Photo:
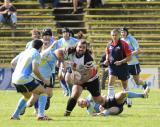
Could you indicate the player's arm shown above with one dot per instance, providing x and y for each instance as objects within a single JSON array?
[
  {"x": 3, "y": 11},
  {"x": 38, "y": 74},
  {"x": 104, "y": 113},
  {"x": 50, "y": 48},
  {"x": 35, "y": 69},
  {"x": 13, "y": 11},
  {"x": 60, "y": 54},
  {"x": 126, "y": 59},
  {"x": 106, "y": 62},
  {"x": 14, "y": 61},
  {"x": 128, "y": 54},
  {"x": 136, "y": 52},
  {"x": 135, "y": 46},
  {"x": 54, "y": 45}
]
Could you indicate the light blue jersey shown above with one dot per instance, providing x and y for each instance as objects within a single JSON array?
[
  {"x": 93, "y": 107},
  {"x": 62, "y": 43},
  {"x": 23, "y": 70},
  {"x": 132, "y": 42},
  {"x": 52, "y": 40},
  {"x": 29, "y": 45},
  {"x": 48, "y": 62}
]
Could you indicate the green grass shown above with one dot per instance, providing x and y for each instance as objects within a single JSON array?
[{"x": 144, "y": 113}]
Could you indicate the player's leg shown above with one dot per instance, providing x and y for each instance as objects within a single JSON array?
[
  {"x": 138, "y": 81},
  {"x": 121, "y": 96},
  {"x": 111, "y": 82},
  {"x": 76, "y": 92},
  {"x": 64, "y": 85},
  {"x": 21, "y": 106},
  {"x": 42, "y": 100},
  {"x": 125, "y": 87},
  {"x": 135, "y": 72},
  {"x": 25, "y": 91},
  {"x": 49, "y": 91}
]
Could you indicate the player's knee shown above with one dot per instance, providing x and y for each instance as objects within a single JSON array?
[
  {"x": 67, "y": 78},
  {"x": 50, "y": 94},
  {"x": 30, "y": 104},
  {"x": 137, "y": 82},
  {"x": 98, "y": 100},
  {"x": 123, "y": 94}
]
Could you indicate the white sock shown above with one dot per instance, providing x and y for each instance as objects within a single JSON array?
[{"x": 111, "y": 91}]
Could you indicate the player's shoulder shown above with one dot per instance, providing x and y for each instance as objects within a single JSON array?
[{"x": 124, "y": 43}]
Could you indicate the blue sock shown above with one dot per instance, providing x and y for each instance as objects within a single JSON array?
[
  {"x": 64, "y": 86},
  {"x": 135, "y": 95},
  {"x": 69, "y": 89},
  {"x": 63, "y": 81},
  {"x": 41, "y": 105},
  {"x": 36, "y": 105},
  {"x": 21, "y": 105}
]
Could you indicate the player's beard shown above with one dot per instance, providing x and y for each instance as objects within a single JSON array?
[{"x": 79, "y": 55}]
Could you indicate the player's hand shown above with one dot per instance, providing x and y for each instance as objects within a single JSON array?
[
  {"x": 118, "y": 63},
  {"x": 98, "y": 114},
  {"x": 5, "y": 12},
  {"x": 106, "y": 63},
  {"x": 76, "y": 78},
  {"x": 46, "y": 82}
]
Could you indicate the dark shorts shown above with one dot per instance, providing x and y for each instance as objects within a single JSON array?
[
  {"x": 42, "y": 83},
  {"x": 134, "y": 69},
  {"x": 52, "y": 81},
  {"x": 28, "y": 87},
  {"x": 93, "y": 87},
  {"x": 113, "y": 103},
  {"x": 120, "y": 71}
]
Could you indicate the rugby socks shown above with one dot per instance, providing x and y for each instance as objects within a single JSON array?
[
  {"x": 70, "y": 106},
  {"x": 69, "y": 89},
  {"x": 41, "y": 105},
  {"x": 134, "y": 95},
  {"x": 21, "y": 105},
  {"x": 63, "y": 81},
  {"x": 128, "y": 101},
  {"x": 111, "y": 91},
  {"x": 47, "y": 103},
  {"x": 64, "y": 87},
  {"x": 144, "y": 85},
  {"x": 36, "y": 105}
]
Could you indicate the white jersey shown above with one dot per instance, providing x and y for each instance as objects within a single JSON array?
[{"x": 84, "y": 62}]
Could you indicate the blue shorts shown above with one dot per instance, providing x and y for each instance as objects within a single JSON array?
[
  {"x": 28, "y": 87},
  {"x": 120, "y": 71},
  {"x": 134, "y": 69}
]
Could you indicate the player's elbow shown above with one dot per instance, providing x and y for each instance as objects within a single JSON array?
[
  {"x": 138, "y": 51},
  {"x": 13, "y": 64}
]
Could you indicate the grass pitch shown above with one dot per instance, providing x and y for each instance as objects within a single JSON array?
[{"x": 144, "y": 113}]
